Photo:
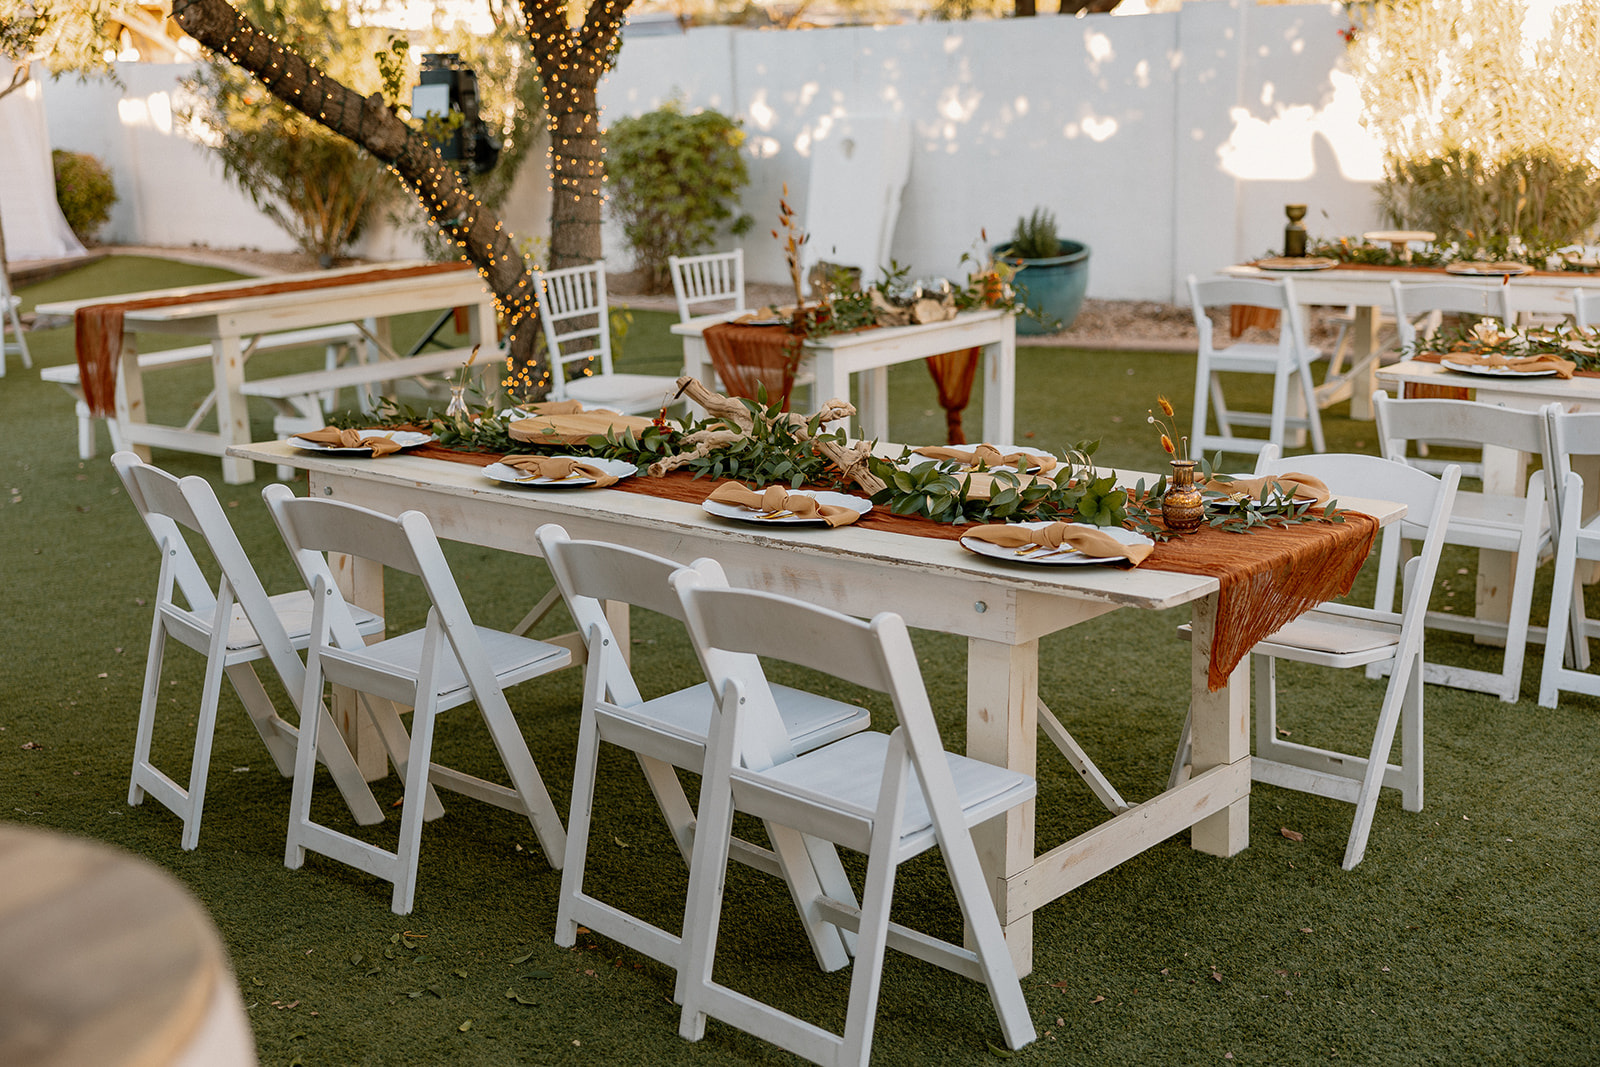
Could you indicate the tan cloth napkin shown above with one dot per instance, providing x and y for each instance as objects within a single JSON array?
[
  {"x": 988, "y": 456},
  {"x": 559, "y": 468},
  {"x": 1302, "y": 486},
  {"x": 1562, "y": 367},
  {"x": 337, "y": 438},
  {"x": 776, "y": 498},
  {"x": 1061, "y": 535}
]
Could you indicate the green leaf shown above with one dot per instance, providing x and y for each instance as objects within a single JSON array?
[
  {"x": 997, "y": 1051},
  {"x": 464, "y": 1027},
  {"x": 357, "y": 959},
  {"x": 524, "y": 958}
]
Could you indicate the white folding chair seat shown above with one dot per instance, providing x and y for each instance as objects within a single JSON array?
[
  {"x": 663, "y": 732},
  {"x": 1498, "y": 522},
  {"x": 447, "y": 663},
  {"x": 1566, "y": 650},
  {"x": 891, "y": 797},
  {"x": 714, "y": 278},
  {"x": 1343, "y": 635},
  {"x": 233, "y": 626},
  {"x": 577, "y": 328},
  {"x": 1288, "y": 362}
]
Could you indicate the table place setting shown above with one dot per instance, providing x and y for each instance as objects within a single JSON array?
[
  {"x": 1494, "y": 365},
  {"x": 790, "y": 507},
  {"x": 565, "y": 472},
  {"x": 374, "y": 441},
  {"x": 1235, "y": 491},
  {"x": 1057, "y": 543}
]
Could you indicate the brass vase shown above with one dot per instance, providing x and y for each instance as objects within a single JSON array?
[{"x": 1183, "y": 507}]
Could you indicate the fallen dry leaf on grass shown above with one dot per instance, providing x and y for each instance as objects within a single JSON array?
[{"x": 1292, "y": 835}]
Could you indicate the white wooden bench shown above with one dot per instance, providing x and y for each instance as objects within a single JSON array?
[{"x": 339, "y": 339}]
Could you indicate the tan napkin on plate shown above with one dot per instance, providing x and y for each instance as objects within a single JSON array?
[
  {"x": 337, "y": 438},
  {"x": 1061, "y": 535},
  {"x": 988, "y": 456},
  {"x": 1303, "y": 486},
  {"x": 775, "y": 498},
  {"x": 559, "y": 468},
  {"x": 1562, "y": 367}
]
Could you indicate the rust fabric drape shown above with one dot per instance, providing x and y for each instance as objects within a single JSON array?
[
  {"x": 953, "y": 373},
  {"x": 99, "y": 326},
  {"x": 749, "y": 357},
  {"x": 1269, "y": 577},
  {"x": 1243, "y": 316}
]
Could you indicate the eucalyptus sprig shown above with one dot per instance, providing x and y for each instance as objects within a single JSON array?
[{"x": 942, "y": 491}]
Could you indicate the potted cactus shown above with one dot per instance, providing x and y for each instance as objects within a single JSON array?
[{"x": 1051, "y": 274}]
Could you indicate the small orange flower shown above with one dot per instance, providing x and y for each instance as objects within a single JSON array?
[
  {"x": 1166, "y": 406},
  {"x": 1166, "y": 444}
]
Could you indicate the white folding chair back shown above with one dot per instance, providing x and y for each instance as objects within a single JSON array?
[
  {"x": 1294, "y": 401},
  {"x": 1344, "y": 635},
  {"x": 714, "y": 278},
  {"x": 664, "y": 732},
  {"x": 1566, "y": 650},
  {"x": 1504, "y": 523},
  {"x": 447, "y": 663},
  {"x": 12, "y": 324},
  {"x": 891, "y": 797},
  {"x": 1586, "y": 308},
  {"x": 577, "y": 329},
  {"x": 1413, "y": 301},
  {"x": 233, "y": 626}
]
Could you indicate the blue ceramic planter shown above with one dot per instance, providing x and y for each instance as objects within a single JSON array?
[{"x": 1052, "y": 287}]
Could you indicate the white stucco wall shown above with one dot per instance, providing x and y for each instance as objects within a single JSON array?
[{"x": 1168, "y": 143}]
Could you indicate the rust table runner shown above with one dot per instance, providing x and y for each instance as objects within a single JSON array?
[
  {"x": 98, "y": 327},
  {"x": 752, "y": 357},
  {"x": 1269, "y": 577}
]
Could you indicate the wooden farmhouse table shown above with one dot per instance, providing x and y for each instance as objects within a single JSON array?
[
  {"x": 870, "y": 354},
  {"x": 1002, "y": 610},
  {"x": 230, "y": 319},
  {"x": 1367, "y": 290}
]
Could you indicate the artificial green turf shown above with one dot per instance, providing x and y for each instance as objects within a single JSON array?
[{"x": 1468, "y": 934}]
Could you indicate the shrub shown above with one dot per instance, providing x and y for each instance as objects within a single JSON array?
[
  {"x": 673, "y": 177},
  {"x": 84, "y": 190},
  {"x": 1035, "y": 237}
]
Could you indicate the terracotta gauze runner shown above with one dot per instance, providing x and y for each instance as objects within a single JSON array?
[
  {"x": 1269, "y": 576},
  {"x": 99, "y": 326},
  {"x": 748, "y": 357}
]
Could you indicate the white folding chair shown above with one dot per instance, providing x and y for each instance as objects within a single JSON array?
[
  {"x": 1344, "y": 635},
  {"x": 447, "y": 663},
  {"x": 664, "y": 732},
  {"x": 9, "y": 321},
  {"x": 892, "y": 797},
  {"x": 714, "y": 278},
  {"x": 1288, "y": 361},
  {"x": 1566, "y": 650},
  {"x": 577, "y": 328},
  {"x": 1586, "y": 308},
  {"x": 1498, "y": 522},
  {"x": 233, "y": 626}
]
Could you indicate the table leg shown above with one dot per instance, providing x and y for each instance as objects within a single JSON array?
[
  {"x": 128, "y": 398},
  {"x": 1220, "y": 734},
  {"x": 833, "y": 381},
  {"x": 233, "y": 410},
  {"x": 874, "y": 411},
  {"x": 1002, "y": 728},
  {"x": 1505, "y": 472},
  {"x": 1363, "y": 372},
  {"x": 1000, "y": 390},
  {"x": 360, "y": 582}
]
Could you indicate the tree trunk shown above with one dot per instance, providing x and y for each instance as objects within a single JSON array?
[
  {"x": 369, "y": 123},
  {"x": 570, "y": 68}
]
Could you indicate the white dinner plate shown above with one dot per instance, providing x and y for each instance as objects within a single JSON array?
[
  {"x": 859, "y": 504},
  {"x": 403, "y": 438},
  {"x": 1005, "y": 450},
  {"x": 1496, "y": 372},
  {"x": 1227, "y": 503},
  {"x": 1473, "y": 269},
  {"x": 509, "y": 475},
  {"x": 1055, "y": 557}
]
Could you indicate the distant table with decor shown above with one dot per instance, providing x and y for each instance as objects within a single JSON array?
[
  {"x": 1366, "y": 288},
  {"x": 230, "y": 313},
  {"x": 869, "y": 353},
  {"x": 1234, "y": 584}
]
